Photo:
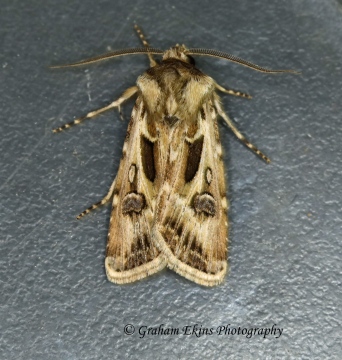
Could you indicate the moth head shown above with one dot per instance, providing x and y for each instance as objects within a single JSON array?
[{"x": 179, "y": 52}]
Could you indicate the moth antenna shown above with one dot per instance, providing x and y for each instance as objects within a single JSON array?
[
  {"x": 222, "y": 55},
  {"x": 110, "y": 55},
  {"x": 146, "y": 44}
]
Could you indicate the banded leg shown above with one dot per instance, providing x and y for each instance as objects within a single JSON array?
[
  {"x": 146, "y": 44},
  {"x": 99, "y": 203},
  {"x": 125, "y": 96},
  {"x": 237, "y": 132},
  {"x": 233, "y": 92}
]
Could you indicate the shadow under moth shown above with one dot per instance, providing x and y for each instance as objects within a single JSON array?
[{"x": 169, "y": 205}]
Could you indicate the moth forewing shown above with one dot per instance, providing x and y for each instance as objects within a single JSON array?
[
  {"x": 169, "y": 203},
  {"x": 131, "y": 254},
  {"x": 190, "y": 223}
]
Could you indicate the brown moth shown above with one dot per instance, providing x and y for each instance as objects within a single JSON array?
[{"x": 169, "y": 205}]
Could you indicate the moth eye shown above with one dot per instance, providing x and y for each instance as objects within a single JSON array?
[
  {"x": 191, "y": 60},
  {"x": 133, "y": 202},
  {"x": 205, "y": 203}
]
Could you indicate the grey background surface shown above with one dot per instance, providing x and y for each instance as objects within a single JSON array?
[{"x": 285, "y": 218}]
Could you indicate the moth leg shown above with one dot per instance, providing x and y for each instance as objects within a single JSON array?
[
  {"x": 120, "y": 113},
  {"x": 237, "y": 132},
  {"x": 99, "y": 203},
  {"x": 146, "y": 44},
  {"x": 233, "y": 92},
  {"x": 125, "y": 96}
]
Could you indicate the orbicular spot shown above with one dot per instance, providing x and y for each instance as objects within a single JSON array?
[
  {"x": 131, "y": 173},
  {"x": 208, "y": 176},
  {"x": 194, "y": 158},
  {"x": 205, "y": 203},
  {"x": 171, "y": 120},
  {"x": 133, "y": 202},
  {"x": 147, "y": 158}
]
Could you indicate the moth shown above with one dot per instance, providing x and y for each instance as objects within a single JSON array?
[{"x": 169, "y": 205}]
